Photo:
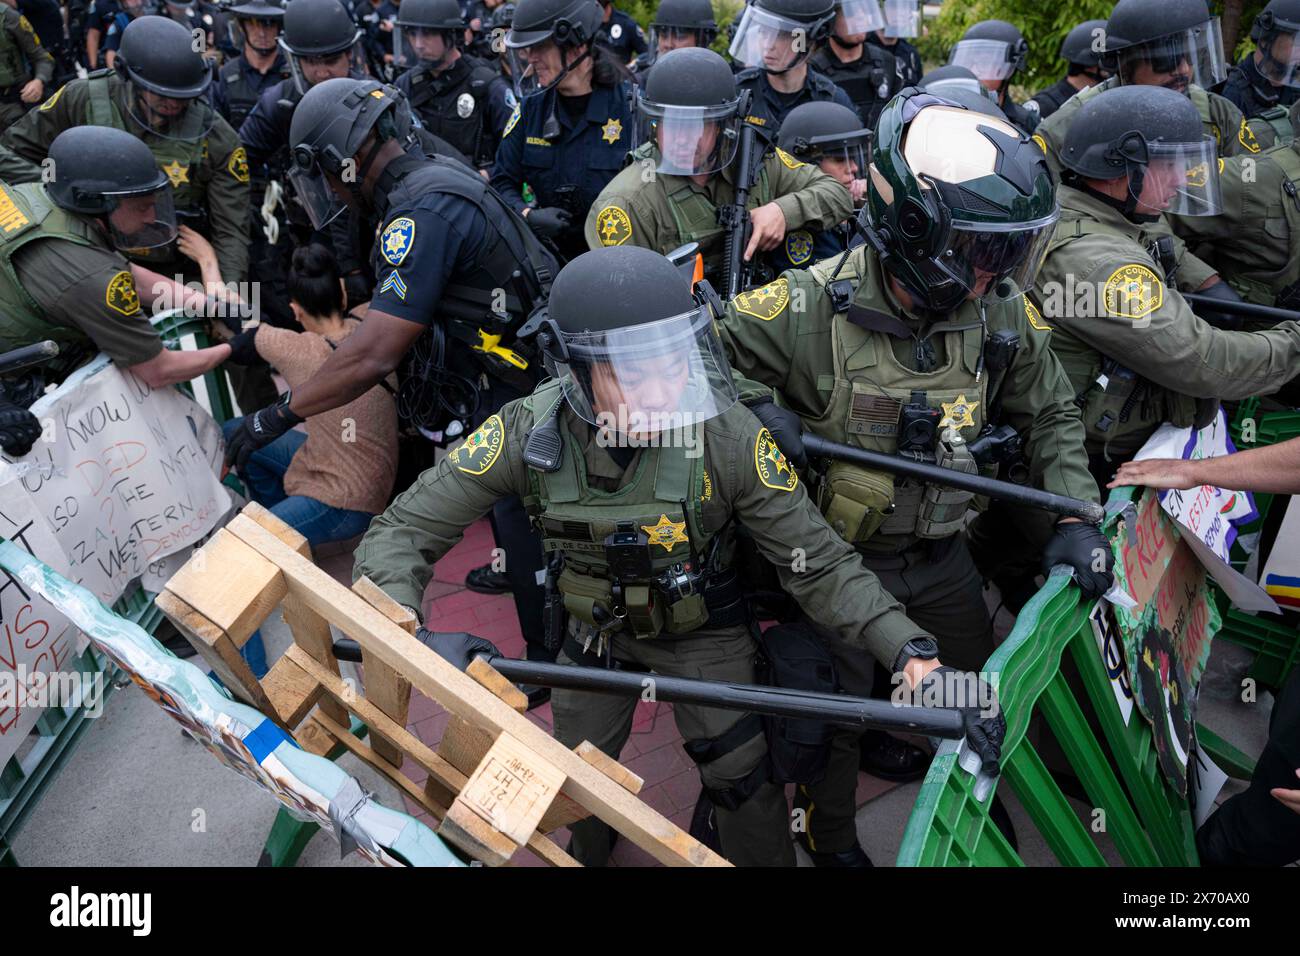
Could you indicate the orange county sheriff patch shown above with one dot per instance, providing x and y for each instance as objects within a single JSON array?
[
  {"x": 1246, "y": 137},
  {"x": 774, "y": 469},
  {"x": 481, "y": 449},
  {"x": 799, "y": 246},
  {"x": 789, "y": 160},
  {"x": 237, "y": 165},
  {"x": 120, "y": 296},
  {"x": 613, "y": 226},
  {"x": 397, "y": 240},
  {"x": 958, "y": 414},
  {"x": 666, "y": 533},
  {"x": 1035, "y": 317},
  {"x": 49, "y": 104},
  {"x": 764, "y": 303},
  {"x": 1042, "y": 143},
  {"x": 1133, "y": 291}
]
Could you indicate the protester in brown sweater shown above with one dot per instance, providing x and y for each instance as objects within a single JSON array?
[{"x": 331, "y": 480}]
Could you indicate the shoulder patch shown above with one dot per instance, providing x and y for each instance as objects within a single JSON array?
[
  {"x": 789, "y": 160},
  {"x": 764, "y": 303},
  {"x": 1042, "y": 143},
  {"x": 11, "y": 217},
  {"x": 774, "y": 469},
  {"x": 120, "y": 296},
  {"x": 237, "y": 165},
  {"x": 394, "y": 284},
  {"x": 1246, "y": 137},
  {"x": 510, "y": 123},
  {"x": 481, "y": 449},
  {"x": 1035, "y": 317},
  {"x": 1132, "y": 291},
  {"x": 613, "y": 226},
  {"x": 49, "y": 104},
  {"x": 799, "y": 246},
  {"x": 27, "y": 25},
  {"x": 397, "y": 239}
]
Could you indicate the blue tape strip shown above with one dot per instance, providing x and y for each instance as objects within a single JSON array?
[{"x": 264, "y": 738}]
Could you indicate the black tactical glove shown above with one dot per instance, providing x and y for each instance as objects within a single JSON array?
[
  {"x": 549, "y": 221},
  {"x": 242, "y": 349},
  {"x": 456, "y": 647},
  {"x": 260, "y": 429},
  {"x": 981, "y": 713},
  {"x": 19, "y": 428},
  {"x": 1083, "y": 547},
  {"x": 1220, "y": 320},
  {"x": 785, "y": 426}
]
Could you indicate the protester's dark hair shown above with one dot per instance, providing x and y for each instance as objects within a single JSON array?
[
  {"x": 605, "y": 68},
  {"x": 314, "y": 281}
]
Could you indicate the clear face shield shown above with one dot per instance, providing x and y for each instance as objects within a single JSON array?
[
  {"x": 260, "y": 33},
  {"x": 427, "y": 47},
  {"x": 187, "y": 120},
  {"x": 539, "y": 67},
  {"x": 664, "y": 38},
  {"x": 844, "y": 160},
  {"x": 1181, "y": 179},
  {"x": 902, "y": 18},
  {"x": 310, "y": 70},
  {"x": 957, "y": 85},
  {"x": 995, "y": 261},
  {"x": 988, "y": 59},
  {"x": 857, "y": 18},
  {"x": 1177, "y": 59},
  {"x": 647, "y": 379},
  {"x": 143, "y": 222},
  {"x": 1280, "y": 54},
  {"x": 769, "y": 41},
  {"x": 314, "y": 193},
  {"x": 692, "y": 140}
]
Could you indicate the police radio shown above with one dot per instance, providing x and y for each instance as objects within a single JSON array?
[{"x": 918, "y": 427}]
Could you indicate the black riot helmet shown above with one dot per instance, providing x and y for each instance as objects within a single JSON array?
[
  {"x": 269, "y": 13},
  {"x": 993, "y": 50},
  {"x": 1170, "y": 43},
  {"x": 690, "y": 108},
  {"x": 778, "y": 35},
  {"x": 317, "y": 33},
  {"x": 636, "y": 348},
  {"x": 1083, "y": 46},
  {"x": 330, "y": 126},
  {"x": 426, "y": 32},
  {"x": 1143, "y": 133},
  {"x": 539, "y": 26},
  {"x": 816, "y": 131},
  {"x": 676, "y": 22},
  {"x": 1274, "y": 32},
  {"x": 106, "y": 172},
  {"x": 957, "y": 83},
  {"x": 166, "y": 78}
]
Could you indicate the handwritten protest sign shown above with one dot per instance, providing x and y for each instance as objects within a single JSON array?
[{"x": 123, "y": 476}]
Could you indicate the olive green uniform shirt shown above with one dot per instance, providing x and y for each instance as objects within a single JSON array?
[
  {"x": 1106, "y": 295},
  {"x": 40, "y": 65},
  {"x": 426, "y": 521}
]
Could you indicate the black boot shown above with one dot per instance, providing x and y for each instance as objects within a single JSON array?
[
  {"x": 486, "y": 581},
  {"x": 887, "y": 757},
  {"x": 853, "y": 856}
]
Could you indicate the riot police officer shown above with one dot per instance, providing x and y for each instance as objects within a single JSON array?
[
  {"x": 1135, "y": 352},
  {"x": 573, "y": 127},
  {"x": 902, "y": 22},
  {"x": 65, "y": 276},
  {"x": 690, "y": 106},
  {"x": 26, "y": 67},
  {"x": 886, "y": 353},
  {"x": 773, "y": 41},
  {"x": 130, "y": 10},
  {"x": 156, "y": 92},
  {"x": 260, "y": 63},
  {"x": 641, "y": 447},
  {"x": 958, "y": 83},
  {"x": 620, "y": 34},
  {"x": 677, "y": 24},
  {"x": 995, "y": 51},
  {"x": 448, "y": 91},
  {"x": 1265, "y": 82},
  {"x": 456, "y": 271},
  {"x": 1081, "y": 49},
  {"x": 201, "y": 18},
  {"x": 866, "y": 73}
]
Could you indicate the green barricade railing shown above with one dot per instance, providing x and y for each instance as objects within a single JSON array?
[{"x": 1147, "y": 822}]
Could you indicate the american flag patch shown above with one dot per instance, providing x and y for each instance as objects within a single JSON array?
[{"x": 874, "y": 415}]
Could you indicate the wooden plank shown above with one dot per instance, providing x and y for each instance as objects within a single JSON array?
[
  {"x": 461, "y": 695},
  {"x": 314, "y": 738},
  {"x": 292, "y": 692},
  {"x": 376, "y": 598},
  {"x": 493, "y": 680},
  {"x": 278, "y": 527},
  {"x": 609, "y": 766},
  {"x": 469, "y": 831},
  {"x": 511, "y": 789},
  {"x": 385, "y": 687},
  {"x": 230, "y": 584},
  {"x": 217, "y": 650}
]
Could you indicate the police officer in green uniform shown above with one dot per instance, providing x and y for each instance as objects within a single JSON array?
[
  {"x": 636, "y": 463},
  {"x": 26, "y": 68},
  {"x": 63, "y": 276},
  {"x": 671, "y": 192},
  {"x": 1135, "y": 352},
  {"x": 916, "y": 342},
  {"x": 1266, "y": 81},
  {"x": 157, "y": 93}
]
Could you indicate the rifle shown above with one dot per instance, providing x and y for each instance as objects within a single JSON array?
[{"x": 734, "y": 218}]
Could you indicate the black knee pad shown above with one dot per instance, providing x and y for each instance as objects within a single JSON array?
[{"x": 706, "y": 750}]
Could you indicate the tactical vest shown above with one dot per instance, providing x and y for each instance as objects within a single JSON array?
[
  {"x": 1264, "y": 286},
  {"x": 869, "y": 391},
  {"x": 458, "y": 111},
  {"x": 181, "y": 159},
  {"x": 241, "y": 97},
  {"x": 14, "y": 68},
  {"x": 29, "y": 215},
  {"x": 866, "y": 82},
  {"x": 576, "y": 519},
  {"x": 1274, "y": 124},
  {"x": 1129, "y": 407}
]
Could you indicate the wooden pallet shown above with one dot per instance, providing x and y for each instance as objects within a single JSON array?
[{"x": 497, "y": 781}]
